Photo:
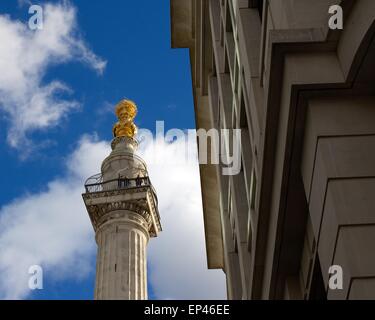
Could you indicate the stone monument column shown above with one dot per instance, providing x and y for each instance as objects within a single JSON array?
[{"x": 122, "y": 205}]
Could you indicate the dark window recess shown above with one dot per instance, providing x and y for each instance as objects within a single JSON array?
[
  {"x": 317, "y": 290},
  {"x": 115, "y": 267},
  {"x": 260, "y": 9}
]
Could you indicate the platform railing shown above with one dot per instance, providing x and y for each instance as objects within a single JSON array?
[{"x": 96, "y": 184}]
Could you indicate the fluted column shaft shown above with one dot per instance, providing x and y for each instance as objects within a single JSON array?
[{"x": 121, "y": 270}]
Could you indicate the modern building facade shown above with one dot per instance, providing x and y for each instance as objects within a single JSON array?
[
  {"x": 303, "y": 96},
  {"x": 123, "y": 209}
]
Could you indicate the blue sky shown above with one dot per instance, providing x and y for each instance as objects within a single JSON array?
[{"x": 133, "y": 38}]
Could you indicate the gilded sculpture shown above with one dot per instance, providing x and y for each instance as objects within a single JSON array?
[{"x": 126, "y": 110}]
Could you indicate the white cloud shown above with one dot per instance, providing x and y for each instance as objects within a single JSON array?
[
  {"x": 25, "y": 57},
  {"x": 178, "y": 256},
  {"x": 52, "y": 229}
]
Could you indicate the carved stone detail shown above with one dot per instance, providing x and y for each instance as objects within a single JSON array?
[{"x": 126, "y": 141}]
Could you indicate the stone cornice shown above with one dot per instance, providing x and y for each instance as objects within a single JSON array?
[{"x": 102, "y": 204}]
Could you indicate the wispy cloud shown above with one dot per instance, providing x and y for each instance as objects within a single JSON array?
[
  {"x": 106, "y": 108},
  {"x": 25, "y": 56},
  {"x": 22, "y": 3}
]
